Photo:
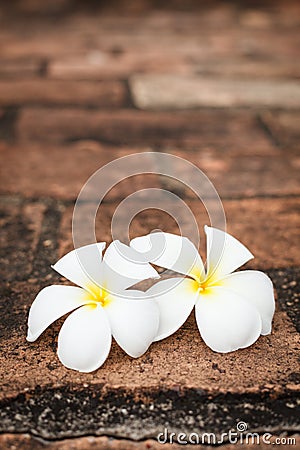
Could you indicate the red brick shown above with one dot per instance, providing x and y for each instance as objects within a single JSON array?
[
  {"x": 268, "y": 227},
  {"x": 61, "y": 172},
  {"x": 60, "y": 92},
  {"x": 284, "y": 126},
  {"x": 226, "y": 129},
  {"x": 239, "y": 175},
  {"x": 172, "y": 362}
]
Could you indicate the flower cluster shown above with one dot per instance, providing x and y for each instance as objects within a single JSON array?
[{"x": 232, "y": 308}]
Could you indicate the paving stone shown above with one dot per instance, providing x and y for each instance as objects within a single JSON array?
[
  {"x": 226, "y": 129},
  {"x": 21, "y": 225},
  {"x": 104, "y": 94},
  {"x": 268, "y": 227},
  {"x": 62, "y": 171},
  {"x": 284, "y": 126},
  {"x": 179, "y": 382},
  {"x": 175, "y": 92}
]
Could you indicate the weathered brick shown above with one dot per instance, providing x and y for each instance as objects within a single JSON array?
[
  {"x": 226, "y": 129},
  {"x": 99, "y": 65},
  {"x": 107, "y": 94},
  {"x": 180, "y": 372},
  {"x": 61, "y": 172},
  {"x": 174, "y": 92},
  {"x": 239, "y": 175},
  {"x": 268, "y": 227}
]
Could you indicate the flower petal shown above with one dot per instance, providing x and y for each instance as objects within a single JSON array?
[
  {"x": 226, "y": 320},
  {"x": 124, "y": 267},
  {"x": 176, "y": 298},
  {"x": 82, "y": 266},
  {"x": 50, "y": 304},
  {"x": 257, "y": 288},
  {"x": 134, "y": 321},
  {"x": 171, "y": 252},
  {"x": 224, "y": 253},
  {"x": 84, "y": 340}
]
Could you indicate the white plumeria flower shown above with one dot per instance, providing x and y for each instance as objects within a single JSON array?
[
  {"x": 232, "y": 309},
  {"x": 103, "y": 308}
]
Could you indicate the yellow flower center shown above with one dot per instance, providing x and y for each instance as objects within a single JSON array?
[{"x": 97, "y": 295}]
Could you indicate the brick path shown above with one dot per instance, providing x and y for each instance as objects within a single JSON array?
[{"x": 82, "y": 83}]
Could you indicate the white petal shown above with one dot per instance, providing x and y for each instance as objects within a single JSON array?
[
  {"x": 226, "y": 320},
  {"x": 82, "y": 266},
  {"x": 124, "y": 267},
  {"x": 224, "y": 253},
  {"x": 85, "y": 338},
  {"x": 134, "y": 321},
  {"x": 257, "y": 288},
  {"x": 176, "y": 298},
  {"x": 171, "y": 252},
  {"x": 50, "y": 304}
]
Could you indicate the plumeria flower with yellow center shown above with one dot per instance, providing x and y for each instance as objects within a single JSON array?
[
  {"x": 102, "y": 306},
  {"x": 232, "y": 309}
]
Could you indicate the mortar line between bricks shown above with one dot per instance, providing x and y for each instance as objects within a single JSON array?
[
  {"x": 268, "y": 132},
  {"x": 66, "y": 202}
]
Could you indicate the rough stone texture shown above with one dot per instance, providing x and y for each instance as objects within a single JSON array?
[{"x": 174, "y": 92}]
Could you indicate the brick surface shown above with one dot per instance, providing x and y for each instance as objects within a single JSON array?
[
  {"x": 43, "y": 171},
  {"x": 105, "y": 94},
  {"x": 61, "y": 172},
  {"x": 268, "y": 227},
  {"x": 284, "y": 126},
  {"x": 176, "y": 368},
  {"x": 174, "y": 92},
  {"x": 225, "y": 129},
  {"x": 236, "y": 175}
]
